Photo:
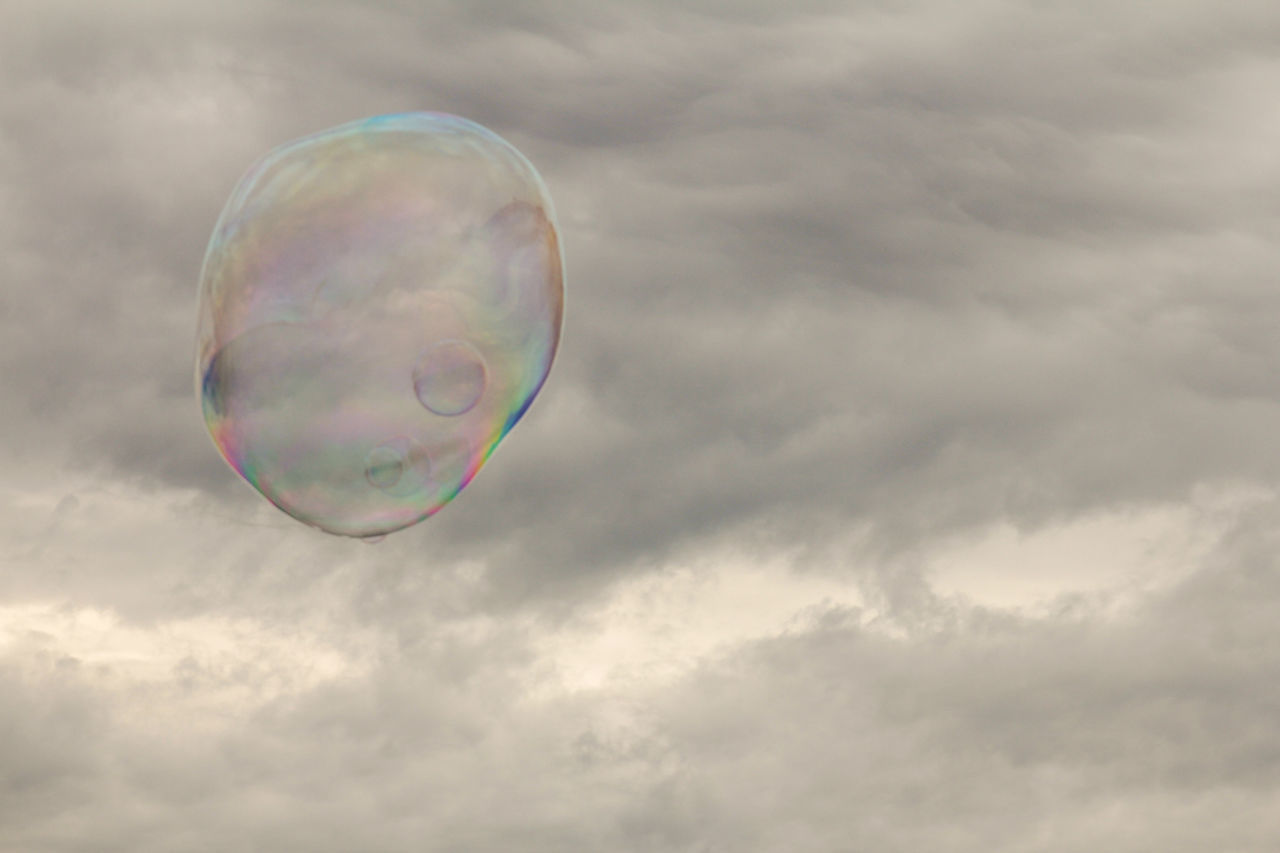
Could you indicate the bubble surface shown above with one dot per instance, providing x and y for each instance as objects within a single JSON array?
[{"x": 379, "y": 305}]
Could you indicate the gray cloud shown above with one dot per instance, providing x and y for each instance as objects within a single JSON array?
[
  {"x": 986, "y": 731},
  {"x": 845, "y": 282}
]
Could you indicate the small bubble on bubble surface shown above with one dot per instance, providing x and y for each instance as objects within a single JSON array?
[
  {"x": 384, "y": 467},
  {"x": 449, "y": 378}
]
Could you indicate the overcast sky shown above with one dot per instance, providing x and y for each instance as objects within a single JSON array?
[{"x": 906, "y": 480}]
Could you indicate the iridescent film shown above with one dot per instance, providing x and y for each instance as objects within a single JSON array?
[{"x": 379, "y": 305}]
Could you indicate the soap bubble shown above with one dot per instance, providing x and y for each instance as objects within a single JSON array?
[{"x": 379, "y": 304}]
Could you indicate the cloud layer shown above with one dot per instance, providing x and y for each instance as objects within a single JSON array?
[{"x": 905, "y": 481}]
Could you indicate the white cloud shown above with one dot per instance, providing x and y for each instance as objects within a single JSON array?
[
  {"x": 193, "y": 672},
  {"x": 662, "y": 625},
  {"x": 1123, "y": 555}
]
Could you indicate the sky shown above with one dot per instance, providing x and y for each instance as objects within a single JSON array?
[{"x": 906, "y": 480}]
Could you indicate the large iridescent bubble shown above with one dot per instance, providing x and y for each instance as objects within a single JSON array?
[{"x": 379, "y": 304}]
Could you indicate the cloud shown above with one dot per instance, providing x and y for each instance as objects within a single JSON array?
[
  {"x": 816, "y": 266},
  {"x": 826, "y": 724},
  {"x": 880, "y": 320}
]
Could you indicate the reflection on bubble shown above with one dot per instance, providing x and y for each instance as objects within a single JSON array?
[{"x": 379, "y": 305}]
